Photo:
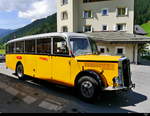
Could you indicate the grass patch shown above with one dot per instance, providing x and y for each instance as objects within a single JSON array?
[
  {"x": 146, "y": 27},
  {"x": 2, "y": 51}
]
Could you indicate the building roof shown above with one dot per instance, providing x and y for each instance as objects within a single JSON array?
[
  {"x": 139, "y": 30},
  {"x": 118, "y": 37}
]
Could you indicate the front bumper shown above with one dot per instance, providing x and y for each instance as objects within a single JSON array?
[{"x": 119, "y": 88}]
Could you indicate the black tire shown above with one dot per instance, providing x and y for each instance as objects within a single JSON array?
[
  {"x": 87, "y": 88},
  {"x": 20, "y": 71}
]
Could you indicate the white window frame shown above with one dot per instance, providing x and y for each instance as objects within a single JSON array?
[
  {"x": 63, "y": 3},
  {"x": 126, "y": 12},
  {"x": 63, "y": 28},
  {"x": 84, "y": 16},
  {"x": 124, "y": 26},
  {"x": 87, "y": 31},
  {"x": 124, "y": 50},
  {"x": 103, "y": 10},
  {"x": 63, "y": 18},
  {"x": 103, "y": 47},
  {"x": 106, "y": 27}
]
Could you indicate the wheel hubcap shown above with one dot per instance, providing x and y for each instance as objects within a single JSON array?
[
  {"x": 20, "y": 71},
  {"x": 87, "y": 89}
]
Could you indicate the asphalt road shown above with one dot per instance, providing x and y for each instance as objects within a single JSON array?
[{"x": 41, "y": 97}]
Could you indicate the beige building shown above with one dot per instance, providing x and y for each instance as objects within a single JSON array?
[{"x": 106, "y": 20}]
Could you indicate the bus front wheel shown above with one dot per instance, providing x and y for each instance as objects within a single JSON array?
[
  {"x": 88, "y": 89},
  {"x": 20, "y": 71}
]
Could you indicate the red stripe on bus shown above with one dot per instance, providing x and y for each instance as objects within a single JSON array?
[{"x": 42, "y": 58}]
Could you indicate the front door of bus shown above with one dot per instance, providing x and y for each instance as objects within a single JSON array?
[{"x": 60, "y": 61}]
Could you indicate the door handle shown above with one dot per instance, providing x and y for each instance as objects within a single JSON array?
[{"x": 69, "y": 62}]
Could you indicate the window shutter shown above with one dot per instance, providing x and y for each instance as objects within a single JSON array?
[
  {"x": 116, "y": 11},
  {"x": 62, "y": 16},
  {"x": 83, "y": 28},
  {"x": 125, "y": 27},
  {"x": 115, "y": 28},
  {"x": 92, "y": 14},
  {"x": 83, "y": 14},
  {"x": 92, "y": 29},
  {"x": 126, "y": 12}
]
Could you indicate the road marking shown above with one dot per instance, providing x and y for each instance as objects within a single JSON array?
[
  {"x": 3, "y": 85},
  {"x": 29, "y": 99},
  {"x": 50, "y": 106},
  {"x": 53, "y": 101},
  {"x": 12, "y": 91}
]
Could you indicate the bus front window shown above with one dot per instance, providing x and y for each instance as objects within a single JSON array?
[{"x": 82, "y": 46}]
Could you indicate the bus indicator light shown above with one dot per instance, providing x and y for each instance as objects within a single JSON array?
[{"x": 19, "y": 57}]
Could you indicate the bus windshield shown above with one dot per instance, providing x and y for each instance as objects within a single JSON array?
[{"x": 83, "y": 46}]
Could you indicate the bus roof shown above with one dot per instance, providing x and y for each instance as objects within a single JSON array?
[{"x": 46, "y": 35}]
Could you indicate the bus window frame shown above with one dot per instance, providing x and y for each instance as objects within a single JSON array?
[
  {"x": 52, "y": 46},
  {"x": 47, "y": 54}
]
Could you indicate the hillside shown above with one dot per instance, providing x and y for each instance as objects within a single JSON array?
[
  {"x": 146, "y": 27},
  {"x": 44, "y": 25},
  {"x": 4, "y": 32},
  {"x": 142, "y": 11}
]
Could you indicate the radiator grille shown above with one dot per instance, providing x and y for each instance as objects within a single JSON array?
[{"x": 126, "y": 73}]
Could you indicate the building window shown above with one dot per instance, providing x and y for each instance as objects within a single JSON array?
[
  {"x": 64, "y": 29},
  {"x": 122, "y": 11},
  {"x": 87, "y": 14},
  {"x": 120, "y": 50},
  {"x": 64, "y": 15},
  {"x": 104, "y": 28},
  {"x": 87, "y": 28},
  {"x": 102, "y": 49},
  {"x": 121, "y": 27},
  {"x": 104, "y": 12},
  {"x": 86, "y": 1},
  {"x": 64, "y": 2}
]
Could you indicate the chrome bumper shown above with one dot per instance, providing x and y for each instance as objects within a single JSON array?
[{"x": 119, "y": 88}]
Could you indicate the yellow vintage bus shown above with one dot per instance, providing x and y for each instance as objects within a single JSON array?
[{"x": 70, "y": 59}]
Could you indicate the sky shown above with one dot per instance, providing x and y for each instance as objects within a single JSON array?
[{"x": 18, "y": 13}]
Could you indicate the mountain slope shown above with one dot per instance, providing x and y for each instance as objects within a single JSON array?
[
  {"x": 142, "y": 11},
  {"x": 44, "y": 25},
  {"x": 4, "y": 32},
  {"x": 49, "y": 24}
]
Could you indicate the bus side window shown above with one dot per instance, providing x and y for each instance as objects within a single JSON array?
[
  {"x": 44, "y": 46},
  {"x": 11, "y": 48},
  {"x": 30, "y": 46},
  {"x": 20, "y": 47},
  {"x": 60, "y": 46},
  {"x": 7, "y": 49}
]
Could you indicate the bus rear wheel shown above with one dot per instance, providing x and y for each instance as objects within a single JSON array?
[{"x": 20, "y": 71}]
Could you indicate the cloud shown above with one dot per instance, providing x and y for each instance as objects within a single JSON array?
[{"x": 29, "y": 9}]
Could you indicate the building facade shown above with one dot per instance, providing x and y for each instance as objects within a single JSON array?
[
  {"x": 95, "y": 15},
  {"x": 101, "y": 16}
]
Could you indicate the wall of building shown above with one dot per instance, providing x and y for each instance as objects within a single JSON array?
[
  {"x": 69, "y": 22},
  {"x": 111, "y": 20},
  {"x": 76, "y": 21},
  {"x": 130, "y": 50}
]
